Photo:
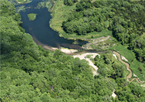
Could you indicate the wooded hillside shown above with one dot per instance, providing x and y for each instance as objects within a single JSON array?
[{"x": 31, "y": 74}]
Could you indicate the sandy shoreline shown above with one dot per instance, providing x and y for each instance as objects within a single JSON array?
[
  {"x": 46, "y": 47},
  {"x": 83, "y": 56}
]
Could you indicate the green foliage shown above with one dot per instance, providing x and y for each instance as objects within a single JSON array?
[
  {"x": 119, "y": 70},
  {"x": 70, "y": 2},
  {"x": 131, "y": 57},
  {"x": 138, "y": 46},
  {"x": 126, "y": 21},
  {"x": 96, "y": 58},
  {"x": 31, "y": 74}
]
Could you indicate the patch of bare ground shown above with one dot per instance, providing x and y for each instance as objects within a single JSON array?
[
  {"x": 84, "y": 56},
  {"x": 95, "y": 42}
]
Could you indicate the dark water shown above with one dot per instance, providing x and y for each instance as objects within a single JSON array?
[{"x": 40, "y": 29}]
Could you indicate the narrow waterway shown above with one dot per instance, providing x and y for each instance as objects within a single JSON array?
[{"x": 40, "y": 29}]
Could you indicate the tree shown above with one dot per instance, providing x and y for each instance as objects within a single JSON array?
[
  {"x": 79, "y": 7},
  {"x": 119, "y": 70},
  {"x": 119, "y": 29},
  {"x": 96, "y": 58},
  {"x": 130, "y": 98},
  {"x": 45, "y": 97},
  {"x": 103, "y": 71},
  {"x": 107, "y": 98},
  {"x": 107, "y": 61},
  {"x": 69, "y": 2}
]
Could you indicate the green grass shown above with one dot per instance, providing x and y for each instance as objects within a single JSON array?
[
  {"x": 59, "y": 14},
  {"x": 89, "y": 35},
  {"x": 130, "y": 56},
  {"x": 32, "y": 16}
]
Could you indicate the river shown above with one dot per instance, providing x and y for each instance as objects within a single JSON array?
[{"x": 40, "y": 29}]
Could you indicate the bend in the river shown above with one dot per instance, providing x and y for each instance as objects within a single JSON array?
[{"x": 40, "y": 28}]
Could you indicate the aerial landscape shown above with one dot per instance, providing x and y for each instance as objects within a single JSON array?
[{"x": 72, "y": 50}]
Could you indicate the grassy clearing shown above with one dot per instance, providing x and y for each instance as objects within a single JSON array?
[
  {"x": 60, "y": 13},
  {"x": 103, "y": 45},
  {"x": 32, "y": 16},
  {"x": 130, "y": 56}
]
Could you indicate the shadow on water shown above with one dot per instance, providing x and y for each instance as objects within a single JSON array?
[{"x": 40, "y": 29}]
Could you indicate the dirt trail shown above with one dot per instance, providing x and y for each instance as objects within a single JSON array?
[{"x": 128, "y": 69}]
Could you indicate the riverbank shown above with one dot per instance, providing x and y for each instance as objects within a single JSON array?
[
  {"x": 59, "y": 16},
  {"x": 53, "y": 4},
  {"x": 82, "y": 55},
  {"x": 21, "y": 1},
  {"x": 62, "y": 49}
]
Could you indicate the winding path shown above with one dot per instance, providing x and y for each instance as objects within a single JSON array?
[{"x": 128, "y": 69}]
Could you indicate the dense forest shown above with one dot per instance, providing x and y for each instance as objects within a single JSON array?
[
  {"x": 31, "y": 74},
  {"x": 125, "y": 18}
]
